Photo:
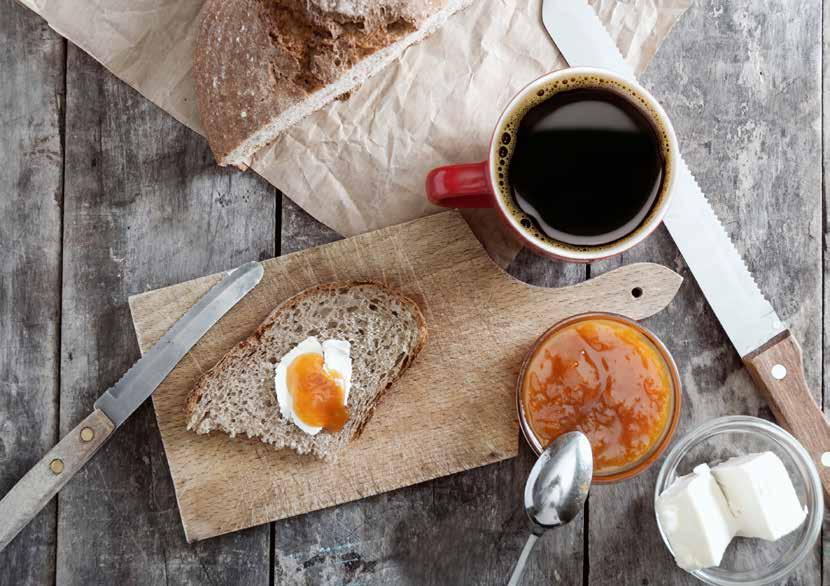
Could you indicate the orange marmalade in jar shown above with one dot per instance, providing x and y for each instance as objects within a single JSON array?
[{"x": 609, "y": 378}]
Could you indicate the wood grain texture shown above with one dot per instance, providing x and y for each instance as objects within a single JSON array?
[
  {"x": 300, "y": 231},
  {"x": 476, "y": 315},
  {"x": 778, "y": 371},
  {"x": 825, "y": 155},
  {"x": 32, "y": 492},
  {"x": 740, "y": 81},
  {"x": 561, "y": 556},
  {"x": 31, "y": 161},
  {"x": 144, "y": 206},
  {"x": 435, "y": 532}
]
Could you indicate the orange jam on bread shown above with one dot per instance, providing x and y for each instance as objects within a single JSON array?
[
  {"x": 316, "y": 393},
  {"x": 604, "y": 378}
]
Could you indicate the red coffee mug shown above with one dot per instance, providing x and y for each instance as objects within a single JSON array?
[{"x": 476, "y": 185}]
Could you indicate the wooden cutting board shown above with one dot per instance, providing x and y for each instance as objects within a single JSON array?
[{"x": 453, "y": 410}]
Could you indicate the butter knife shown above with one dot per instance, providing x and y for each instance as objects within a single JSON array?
[
  {"x": 767, "y": 348},
  {"x": 41, "y": 483}
]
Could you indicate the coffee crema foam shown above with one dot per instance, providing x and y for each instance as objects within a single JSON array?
[{"x": 504, "y": 144}]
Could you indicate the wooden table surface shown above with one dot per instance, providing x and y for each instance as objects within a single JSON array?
[{"x": 103, "y": 195}]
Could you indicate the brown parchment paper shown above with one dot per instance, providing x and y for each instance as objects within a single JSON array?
[{"x": 360, "y": 164}]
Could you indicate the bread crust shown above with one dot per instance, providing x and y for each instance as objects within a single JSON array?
[
  {"x": 233, "y": 92},
  {"x": 245, "y": 345},
  {"x": 255, "y": 59}
]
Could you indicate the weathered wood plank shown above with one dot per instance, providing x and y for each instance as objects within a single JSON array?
[
  {"x": 145, "y": 206},
  {"x": 479, "y": 525},
  {"x": 299, "y": 231},
  {"x": 754, "y": 136},
  {"x": 560, "y": 557},
  {"x": 462, "y": 529},
  {"x": 825, "y": 129},
  {"x": 31, "y": 192},
  {"x": 741, "y": 83}
]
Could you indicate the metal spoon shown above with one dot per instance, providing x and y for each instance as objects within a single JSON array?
[{"x": 556, "y": 489}]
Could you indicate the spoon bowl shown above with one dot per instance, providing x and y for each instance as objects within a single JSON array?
[
  {"x": 558, "y": 484},
  {"x": 556, "y": 489}
]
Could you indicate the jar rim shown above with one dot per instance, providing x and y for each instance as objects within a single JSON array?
[{"x": 644, "y": 462}]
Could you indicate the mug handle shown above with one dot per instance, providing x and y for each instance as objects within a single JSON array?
[{"x": 460, "y": 186}]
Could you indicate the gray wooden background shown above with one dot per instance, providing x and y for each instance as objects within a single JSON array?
[{"x": 102, "y": 195}]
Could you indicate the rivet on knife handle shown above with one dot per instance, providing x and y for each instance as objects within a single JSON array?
[
  {"x": 47, "y": 477},
  {"x": 42, "y": 482},
  {"x": 749, "y": 320},
  {"x": 778, "y": 369}
]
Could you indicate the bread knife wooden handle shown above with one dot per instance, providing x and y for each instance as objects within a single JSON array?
[
  {"x": 47, "y": 477},
  {"x": 747, "y": 317},
  {"x": 778, "y": 370}
]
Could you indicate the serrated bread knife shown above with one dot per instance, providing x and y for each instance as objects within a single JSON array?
[
  {"x": 41, "y": 483},
  {"x": 765, "y": 345}
]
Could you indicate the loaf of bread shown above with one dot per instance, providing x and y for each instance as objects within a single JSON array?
[
  {"x": 237, "y": 396},
  {"x": 262, "y": 65}
]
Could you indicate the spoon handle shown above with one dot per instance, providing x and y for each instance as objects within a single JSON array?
[{"x": 519, "y": 568}]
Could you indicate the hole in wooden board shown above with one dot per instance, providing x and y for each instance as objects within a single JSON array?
[{"x": 637, "y": 292}]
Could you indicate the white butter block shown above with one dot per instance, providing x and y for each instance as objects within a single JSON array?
[
  {"x": 761, "y": 495},
  {"x": 696, "y": 519}
]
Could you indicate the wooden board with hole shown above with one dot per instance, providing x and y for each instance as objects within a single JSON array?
[{"x": 453, "y": 410}]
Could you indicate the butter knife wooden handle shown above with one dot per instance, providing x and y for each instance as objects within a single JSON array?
[
  {"x": 41, "y": 483},
  {"x": 778, "y": 368}
]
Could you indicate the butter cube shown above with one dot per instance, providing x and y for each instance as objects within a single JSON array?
[
  {"x": 760, "y": 495},
  {"x": 696, "y": 519}
]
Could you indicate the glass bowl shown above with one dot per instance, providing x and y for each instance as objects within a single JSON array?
[
  {"x": 750, "y": 561},
  {"x": 641, "y": 464}
]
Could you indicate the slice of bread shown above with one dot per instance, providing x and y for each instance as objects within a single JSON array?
[
  {"x": 262, "y": 65},
  {"x": 385, "y": 329}
]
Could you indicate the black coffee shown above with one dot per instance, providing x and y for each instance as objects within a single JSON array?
[{"x": 586, "y": 167}]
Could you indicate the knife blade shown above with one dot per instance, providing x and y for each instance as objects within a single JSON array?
[
  {"x": 763, "y": 342},
  {"x": 47, "y": 477},
  {"x": 139, "y": 382}
]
